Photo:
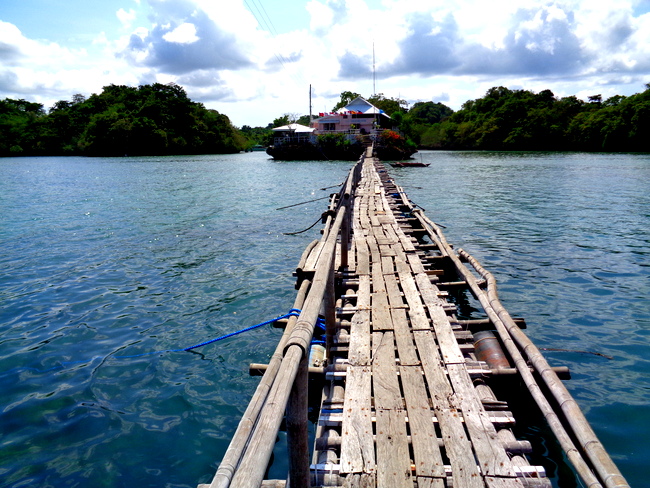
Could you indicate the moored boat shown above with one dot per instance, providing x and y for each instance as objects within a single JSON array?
[{"x": 409, "y": 164}]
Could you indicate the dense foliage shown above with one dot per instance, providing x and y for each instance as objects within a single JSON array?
[
  {"x": 507, "y": 119},
  {"x": 521, "y": 120},
  {"x": 394, "y": 145},
  {"x": 161, "y": 119},
  {"x": 147, "y": 120},
  {"x": 262, "y": 136}
]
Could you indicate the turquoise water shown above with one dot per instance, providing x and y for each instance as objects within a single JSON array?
[{"x": 105, "y": 258}]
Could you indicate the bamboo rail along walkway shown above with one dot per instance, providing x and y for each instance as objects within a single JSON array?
[{"x": 407, "y": 397}]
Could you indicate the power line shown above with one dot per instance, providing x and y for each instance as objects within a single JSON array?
[
  {"x": 266, "y": 15},
  {"x": 265, "y": 22}
]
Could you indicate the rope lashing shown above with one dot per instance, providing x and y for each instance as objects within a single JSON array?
[{"x": 301, "y": 231}]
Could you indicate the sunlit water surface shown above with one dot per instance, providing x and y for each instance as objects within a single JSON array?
[{"x": 105, "y": 258}]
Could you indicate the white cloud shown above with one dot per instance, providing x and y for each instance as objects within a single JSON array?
[
  {"x": 183, "y": 34},
  {"x": 46, "y": 72},
  {"x": 227, "y": 56},
  {"x": 126, "y": 18}
]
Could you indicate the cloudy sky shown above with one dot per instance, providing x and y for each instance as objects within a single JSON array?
[{"x": 254, "y": 60}]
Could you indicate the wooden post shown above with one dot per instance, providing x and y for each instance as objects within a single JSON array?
[
  {"x": 257, "y": 454},
  {"x": 344, "y": 202},
  {"x": 254, "y": 459},
  {"x": 345, "y": 232},
  {"x": 329, "y": 305},
  {"x": 297, "y": 434},
  {"x": 232, "y": 458}
]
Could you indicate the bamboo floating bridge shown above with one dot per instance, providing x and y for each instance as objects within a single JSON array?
[{"x": 407, "y": 388}]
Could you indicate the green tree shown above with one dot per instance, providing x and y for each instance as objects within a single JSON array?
[
  {"x": 429, "y": 112},
  {"x": 19, "y": 126},
  {"x": 282, "y": 120},
  {"x": 388, "y": 105},
  {"x": 346, "y": 98}
]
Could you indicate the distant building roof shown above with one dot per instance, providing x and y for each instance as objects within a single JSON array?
[
  {"x": 362, "y": 105},
  {"x": 293, "y": 128},
  {"x": 357, "y": 106}
]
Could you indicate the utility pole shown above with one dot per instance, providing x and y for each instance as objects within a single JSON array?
[{"x": 310, "y": 105}]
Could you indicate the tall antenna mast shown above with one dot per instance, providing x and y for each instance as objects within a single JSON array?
[{"x": 374, "y": 89}]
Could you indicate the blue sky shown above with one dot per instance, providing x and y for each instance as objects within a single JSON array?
[{"x": 254, "y": 60}]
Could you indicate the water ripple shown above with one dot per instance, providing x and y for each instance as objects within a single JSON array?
[{"x": 113, "y": 257}]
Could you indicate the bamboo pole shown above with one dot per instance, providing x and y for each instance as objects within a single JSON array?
[
  {"x": 255, "y": 459},
  {"x": 305, "y": 255},
  {"x": 606, "y": 471},
  {"x": 602, "y": 463},
  {"x": 554, "y": 422},
  {"x": 250, "y": 471},
  {"x": 329, "y": 312},
  {"x": 344, "y": 200},
  {"x": 238, "y": 442},
  {"x": 345, "y": 233},
  {"x": 297, "y": 434}
]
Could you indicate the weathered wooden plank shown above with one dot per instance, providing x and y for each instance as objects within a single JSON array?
[
  {"x": 451, "y": 353},
  {"x": 393, "y": 461},
  {"x": 424, "y": 482},
  {"x": 357, "y": 446},
  {"x": 400, "y": 261},
  {"x": 405, "y": 240},
  {"x": 381, "y": 318},
  {"x": 403, "y": 338},
  {"x": 428, "y": 460},
  {"x": 364, "y": 218},
  {"x": 386, "y": 240},
  {"x": 359, "y": 481},
  {"x": 391, "y": 235},
  {"x": 457, "y": 446},
  {"x": 415, "y": 263},
  {"x": 359, "y": 353},
  {"x": 388, "y": 269},
  {"x": 375, "y": 255},
  {"x": 386, "y": 250},
  {"x": 417, "y": 313},
  {"x": 378, "y": 231},
  {"x": 503, "y": 482},
  {"x": 363, "y": 256},
  {"x": 492, "y": 458}
]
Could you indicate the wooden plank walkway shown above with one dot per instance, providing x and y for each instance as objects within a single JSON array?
[
  {"x": 406, "y": 400},
  {"x": 410, "y": 413}
]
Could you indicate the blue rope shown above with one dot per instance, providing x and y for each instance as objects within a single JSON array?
[{"x": 294, "y": 312}]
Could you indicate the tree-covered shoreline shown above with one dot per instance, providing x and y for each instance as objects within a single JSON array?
[
  {"x": 160, "y": 119},
  {"x": 152, "y": 119},
  {"x": 521, "y": 120}
]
